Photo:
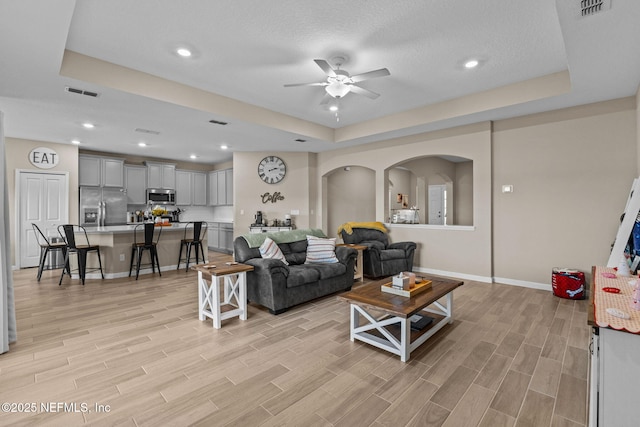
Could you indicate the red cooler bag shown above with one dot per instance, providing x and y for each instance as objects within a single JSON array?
[{"x": 567, "y": 283}]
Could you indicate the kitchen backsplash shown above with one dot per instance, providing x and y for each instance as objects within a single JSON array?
[
  {"x": 197, "y": 213},
  {"x": 207, "y": 213}
]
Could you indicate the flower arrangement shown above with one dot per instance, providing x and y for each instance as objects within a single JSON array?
[{"x": 158, "y": 211}]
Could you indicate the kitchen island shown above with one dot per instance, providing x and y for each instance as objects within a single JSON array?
[{"x": 115, "y": 248}]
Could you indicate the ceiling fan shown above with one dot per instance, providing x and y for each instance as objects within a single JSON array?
[{"x": 339, "y": 82}]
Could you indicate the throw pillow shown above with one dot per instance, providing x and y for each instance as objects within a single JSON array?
[
  {"x": 270, "y": 249},
  {"x": 321, "y": 250}
]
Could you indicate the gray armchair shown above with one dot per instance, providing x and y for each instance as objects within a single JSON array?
[{"x": 381, "y": 258}]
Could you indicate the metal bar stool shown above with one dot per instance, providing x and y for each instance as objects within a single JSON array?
[
  {"x": 45, "y": 247},
  {"x": 199, "y": 231},
  {"x": 137, "y": 248},
  {"x": 68, "y": 234}
]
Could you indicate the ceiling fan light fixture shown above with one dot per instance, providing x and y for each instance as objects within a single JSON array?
[{"x": 337, "y": 89}]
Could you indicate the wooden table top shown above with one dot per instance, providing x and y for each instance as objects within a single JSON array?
[
  {"x": 222, "y": 269},
  {"x": 371, "y": 296},
  {"x": 354, "y": 246}
]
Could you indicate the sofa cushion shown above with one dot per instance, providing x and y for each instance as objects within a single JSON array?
[
  {"x": 329, "y": 270},
  {"x": 301, "y": 275},
  {"x": 392, "y": 254},
  {"x": 321, "y": 250},
  {"x": 295, "y": 252},
  {"x": 269, "y": 249}
]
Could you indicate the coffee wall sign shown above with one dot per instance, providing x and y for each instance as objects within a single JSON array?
[
  {"x": 43, "y": 158},
  {"x": 268, "y": 197}
]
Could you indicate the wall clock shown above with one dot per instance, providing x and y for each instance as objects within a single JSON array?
[{"x": 272, "y": 169}]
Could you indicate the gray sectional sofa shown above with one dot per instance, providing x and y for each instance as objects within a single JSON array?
[{"x": 278, "y": 286}]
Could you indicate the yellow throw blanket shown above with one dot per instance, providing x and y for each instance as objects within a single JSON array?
[{"x": 349, "y": 226}]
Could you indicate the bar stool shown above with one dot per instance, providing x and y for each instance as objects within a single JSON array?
[
  {"x": 45, "y": 247},
  {"x": 199, "y": 230},
  {"x": 67, "y": 232},
  {"x": 137, "y": 248}
]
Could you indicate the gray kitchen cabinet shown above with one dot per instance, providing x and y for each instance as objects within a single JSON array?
[
  {"x": 89, "y": 171},
  {"x": 191, "y": 188},
  {"x": 183, "y": 188},
  {"x": 135, "y": 182},
  {"x": 161, "y": 175},
  {"x": 220, "y": 236},
  {"x": 221, "y": 187},
  {"x": 228, "y": 175},
  {"x": 199, "y": 190},
  {"x": 100, "y": 171},
  {"x": 112, "y": 173},
  {"x": 213, "y": 235},
  {"x": 226, "y": 237},
  {"x": 213, "y": 188}
]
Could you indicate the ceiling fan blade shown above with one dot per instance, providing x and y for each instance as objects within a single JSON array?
[
  {"x": 326, "y": 99},
  {"x": 362, "y": 91},
  {"x": 307, "y": 84},
  {"x": 370, "y": 75},
  {"x": 325, "y": 67}
]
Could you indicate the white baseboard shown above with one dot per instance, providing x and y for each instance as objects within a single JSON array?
[
  {"x": 523, "y": 283},
  {"x": 453, "y": 274},
  {"x": 485, "y": 279}
]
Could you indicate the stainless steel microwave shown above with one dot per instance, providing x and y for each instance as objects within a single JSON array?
[{"x": 161, "y": 196}]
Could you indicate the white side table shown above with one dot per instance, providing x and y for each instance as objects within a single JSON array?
[{"x": 210, "y": 304}]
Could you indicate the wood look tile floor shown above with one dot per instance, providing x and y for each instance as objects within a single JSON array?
[{"x": 134, "y": 353}]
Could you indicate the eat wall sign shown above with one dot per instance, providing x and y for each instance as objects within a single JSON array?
[{"x": 43, "y": 158}]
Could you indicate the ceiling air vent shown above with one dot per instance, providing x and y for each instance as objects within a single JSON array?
[
  {"x": 218, "y": 122},
  {"x": 80, "y": 91},
  {"x": 153, "y": 132},
  {"x": 591, "y": 7}
]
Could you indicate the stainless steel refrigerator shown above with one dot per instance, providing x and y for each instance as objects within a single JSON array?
[{"x": 102, "y": 206}]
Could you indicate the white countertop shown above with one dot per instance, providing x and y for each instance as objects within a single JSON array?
[{"x": 177, "y": 226}]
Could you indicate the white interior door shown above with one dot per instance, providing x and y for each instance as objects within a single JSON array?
[
  {"x": 437, "y": 204},
  {"x": 43, "y": 200}
]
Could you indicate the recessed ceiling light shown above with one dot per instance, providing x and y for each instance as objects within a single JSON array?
[
  {"x": 88, "y": 125},
  {"x": 472, "y": 63},
  {"x": 142, "y": 144},
  {"x": 333, "y": 108},
  {"x": 75, "y": 142},
  {"x": 184, "y": 52},
  {"x": 224, "y": 147},
  {"x": 193, "y": 156}
]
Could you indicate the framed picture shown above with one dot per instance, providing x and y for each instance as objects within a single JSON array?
[{"x": 405, "y": 200}]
